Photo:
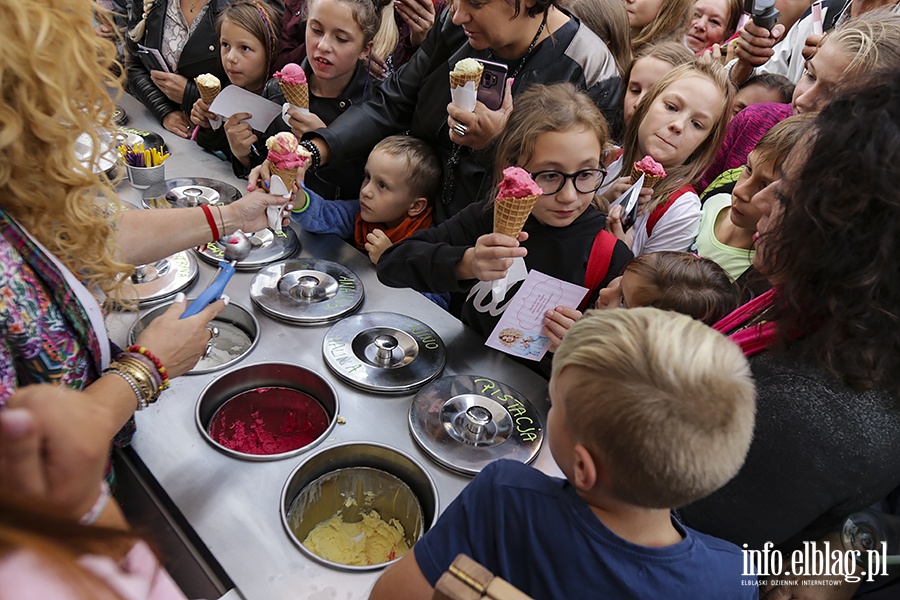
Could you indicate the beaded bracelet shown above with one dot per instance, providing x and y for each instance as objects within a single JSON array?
[
  {"x": 158, "y": 363},
  {"x": 316, "y": 155},
  {"x": 91, "y": 516},
  {"x": 212, "y": 222}
]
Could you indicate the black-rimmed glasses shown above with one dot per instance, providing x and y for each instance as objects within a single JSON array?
[{"x": 586, "y": 181}]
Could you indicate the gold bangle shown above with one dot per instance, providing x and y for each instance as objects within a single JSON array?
[
  {"x": 142, "y": 375},
  {"x": 141, "y": 402}
]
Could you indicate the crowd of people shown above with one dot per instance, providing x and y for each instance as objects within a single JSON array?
[{"x": 731, "y": 380}]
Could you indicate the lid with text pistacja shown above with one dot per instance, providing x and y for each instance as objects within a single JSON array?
[
  {"x": 307, "y": 291},
  {"x": 466, "y": 422},
  {"x": 156, "y": 282},
  {"x": 384, "y": 352}
]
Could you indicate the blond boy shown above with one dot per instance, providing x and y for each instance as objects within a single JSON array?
[{"x": 651, "y": 410}]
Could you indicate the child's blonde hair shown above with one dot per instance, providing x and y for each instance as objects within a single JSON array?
[
  {"x": 56, "y": 79},
  {"x": 685, "y": 283},
  {"x": 674, "y": 53},
  {"x": 871, "y": 41},
  {"x": 542, "y": 109},
  {"x": 609, "y": 20},
  {"x": 261, "y": 20},
  {"x": 668, "y": 403},
  {"x": 670, "y": 24},
  {"x": 775, "y": 146},
  {"x": 703, "y": 155},
  {"x": 423, "y": 169}
]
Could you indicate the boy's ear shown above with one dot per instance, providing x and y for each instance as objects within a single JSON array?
[
  {"x": 418, "y": 205},
  {"x": 587, "y": 470}
]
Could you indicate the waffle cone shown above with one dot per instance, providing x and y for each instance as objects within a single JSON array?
[
  {"x": 649, "y": 180},
  {"x": 462, "y": 80},
  {"x": 296, "y": 94},
  {"x": 510, "y": 214},
  {"x": 208, "y": 93},
  {"x": 288, "y": 176}
]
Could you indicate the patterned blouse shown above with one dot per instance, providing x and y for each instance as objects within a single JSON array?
[{"x": 176, "y": 32}]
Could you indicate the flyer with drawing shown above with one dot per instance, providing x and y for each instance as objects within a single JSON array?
[{"x": 519, "y": 330}]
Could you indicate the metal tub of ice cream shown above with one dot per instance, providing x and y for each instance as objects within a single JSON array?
[
  {"x": 358, "y": 506},
  {"x": 267, "y": 411},
  {"x": 238, "y": 335}
]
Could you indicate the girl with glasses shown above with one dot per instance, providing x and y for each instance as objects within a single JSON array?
[{"x": 558, "y": 135}]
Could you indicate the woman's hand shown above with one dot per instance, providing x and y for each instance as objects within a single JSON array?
[
  {"x": 377, "y": 66},
  {"x": 54, "y": 447},
  {"x": 557, "y": 323},
  {"x": 376, "y": 243},
  {"x": 419, "y": 15},
  {"x": 302, "y": 123},
  {"x": 171, "y": 84},
  {"x": 491, "y": 257},
  {"x": 482, "y": 125},
  {"x": 249, "y": 213},
  {"x": 811, "y": 45},
  {"x": 200, "y": 114},
  {"x": 240, "y": 136},
  {"x": 754, "y": 48},
  {"x": 178, "y": 123},
  {"x": 179, "y": 343}
]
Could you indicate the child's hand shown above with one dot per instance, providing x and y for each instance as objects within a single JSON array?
[
  {"x": 557, "y": 322},
  {"x": 240, "y": 136},
  {"x": 376, "y": 243},
  {"x": 377, "y": 66},
  {"x": 491, "y": 257},
  {"x": 614, "y": 225},
  {"x": 621, "y": 186},
  {"x": 200, "y": 114},
  {"x": 482, "y": 125},
  {"x": 811, "y": 45},
  {"x": 302, "y": 123}
]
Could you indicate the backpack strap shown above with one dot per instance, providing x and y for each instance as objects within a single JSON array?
[
  {"x": 598, "y": 263},
  {"x": 660, "y": 210}
]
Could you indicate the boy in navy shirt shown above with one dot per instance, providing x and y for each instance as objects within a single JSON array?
[{"x": 651, "y": 410}]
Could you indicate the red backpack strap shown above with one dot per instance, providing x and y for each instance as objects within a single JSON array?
[
  {"x": 598, "y": 263},
  {"x": 660, "y": 210}
]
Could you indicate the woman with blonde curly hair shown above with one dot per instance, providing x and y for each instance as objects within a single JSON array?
[{"x": 62, "y": 235}]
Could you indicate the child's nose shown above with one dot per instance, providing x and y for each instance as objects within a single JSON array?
[{"x": 568, "y": 193}]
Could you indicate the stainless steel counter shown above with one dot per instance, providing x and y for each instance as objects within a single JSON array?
[{"x": 233, "y": 505}]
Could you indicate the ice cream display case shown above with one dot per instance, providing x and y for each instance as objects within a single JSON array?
[{"x": 400, "y": 385}]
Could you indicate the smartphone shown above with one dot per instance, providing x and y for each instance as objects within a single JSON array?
[
  {"x": 152, "y": 59},
  {"x": 493, "y": 84}
]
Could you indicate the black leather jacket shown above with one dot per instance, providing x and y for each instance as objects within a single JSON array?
[{"x": 200, "y": 55}]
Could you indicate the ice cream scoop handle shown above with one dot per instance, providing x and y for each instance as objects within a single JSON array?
[{"x": 212, "y": 292}]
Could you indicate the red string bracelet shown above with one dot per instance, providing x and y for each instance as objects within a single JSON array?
[
  {"x": 156, "y": 362},
  {"x": 212, "y": 222}
]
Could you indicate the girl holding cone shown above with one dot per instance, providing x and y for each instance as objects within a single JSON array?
[
  {"x": 680, "y": 124},
  {"x": 249, "y": 42},
  {"x": 558, "y": 135},
  {"x": 340, "y": 36}
]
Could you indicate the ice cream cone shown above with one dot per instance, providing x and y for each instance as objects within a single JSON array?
[
  {"x": 288, "y": 176},
  {"x": 649, "y": 180},
  {"x": 208, "y": 93},
  {"x": 296, "y": 94},
  {"x": 510, "y": 214},
  {"x": 460, "y": 80}
]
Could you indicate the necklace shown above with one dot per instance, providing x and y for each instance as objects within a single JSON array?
[{"x": 454, "y": 157}]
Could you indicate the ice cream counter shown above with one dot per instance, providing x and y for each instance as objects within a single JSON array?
[{"x": 426, "y": 425}]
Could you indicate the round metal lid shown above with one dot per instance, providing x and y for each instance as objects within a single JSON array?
[
  {"x": 189, "y": 191},
  {"x": 119, "y": 116},
  {"x": 467, "y": 421},
  {"x": 158, "y": 281},
  {"x": 307, "y": 291},
  {"x": 384, "y": 352},
  {"x": 268, "y": 247}
]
